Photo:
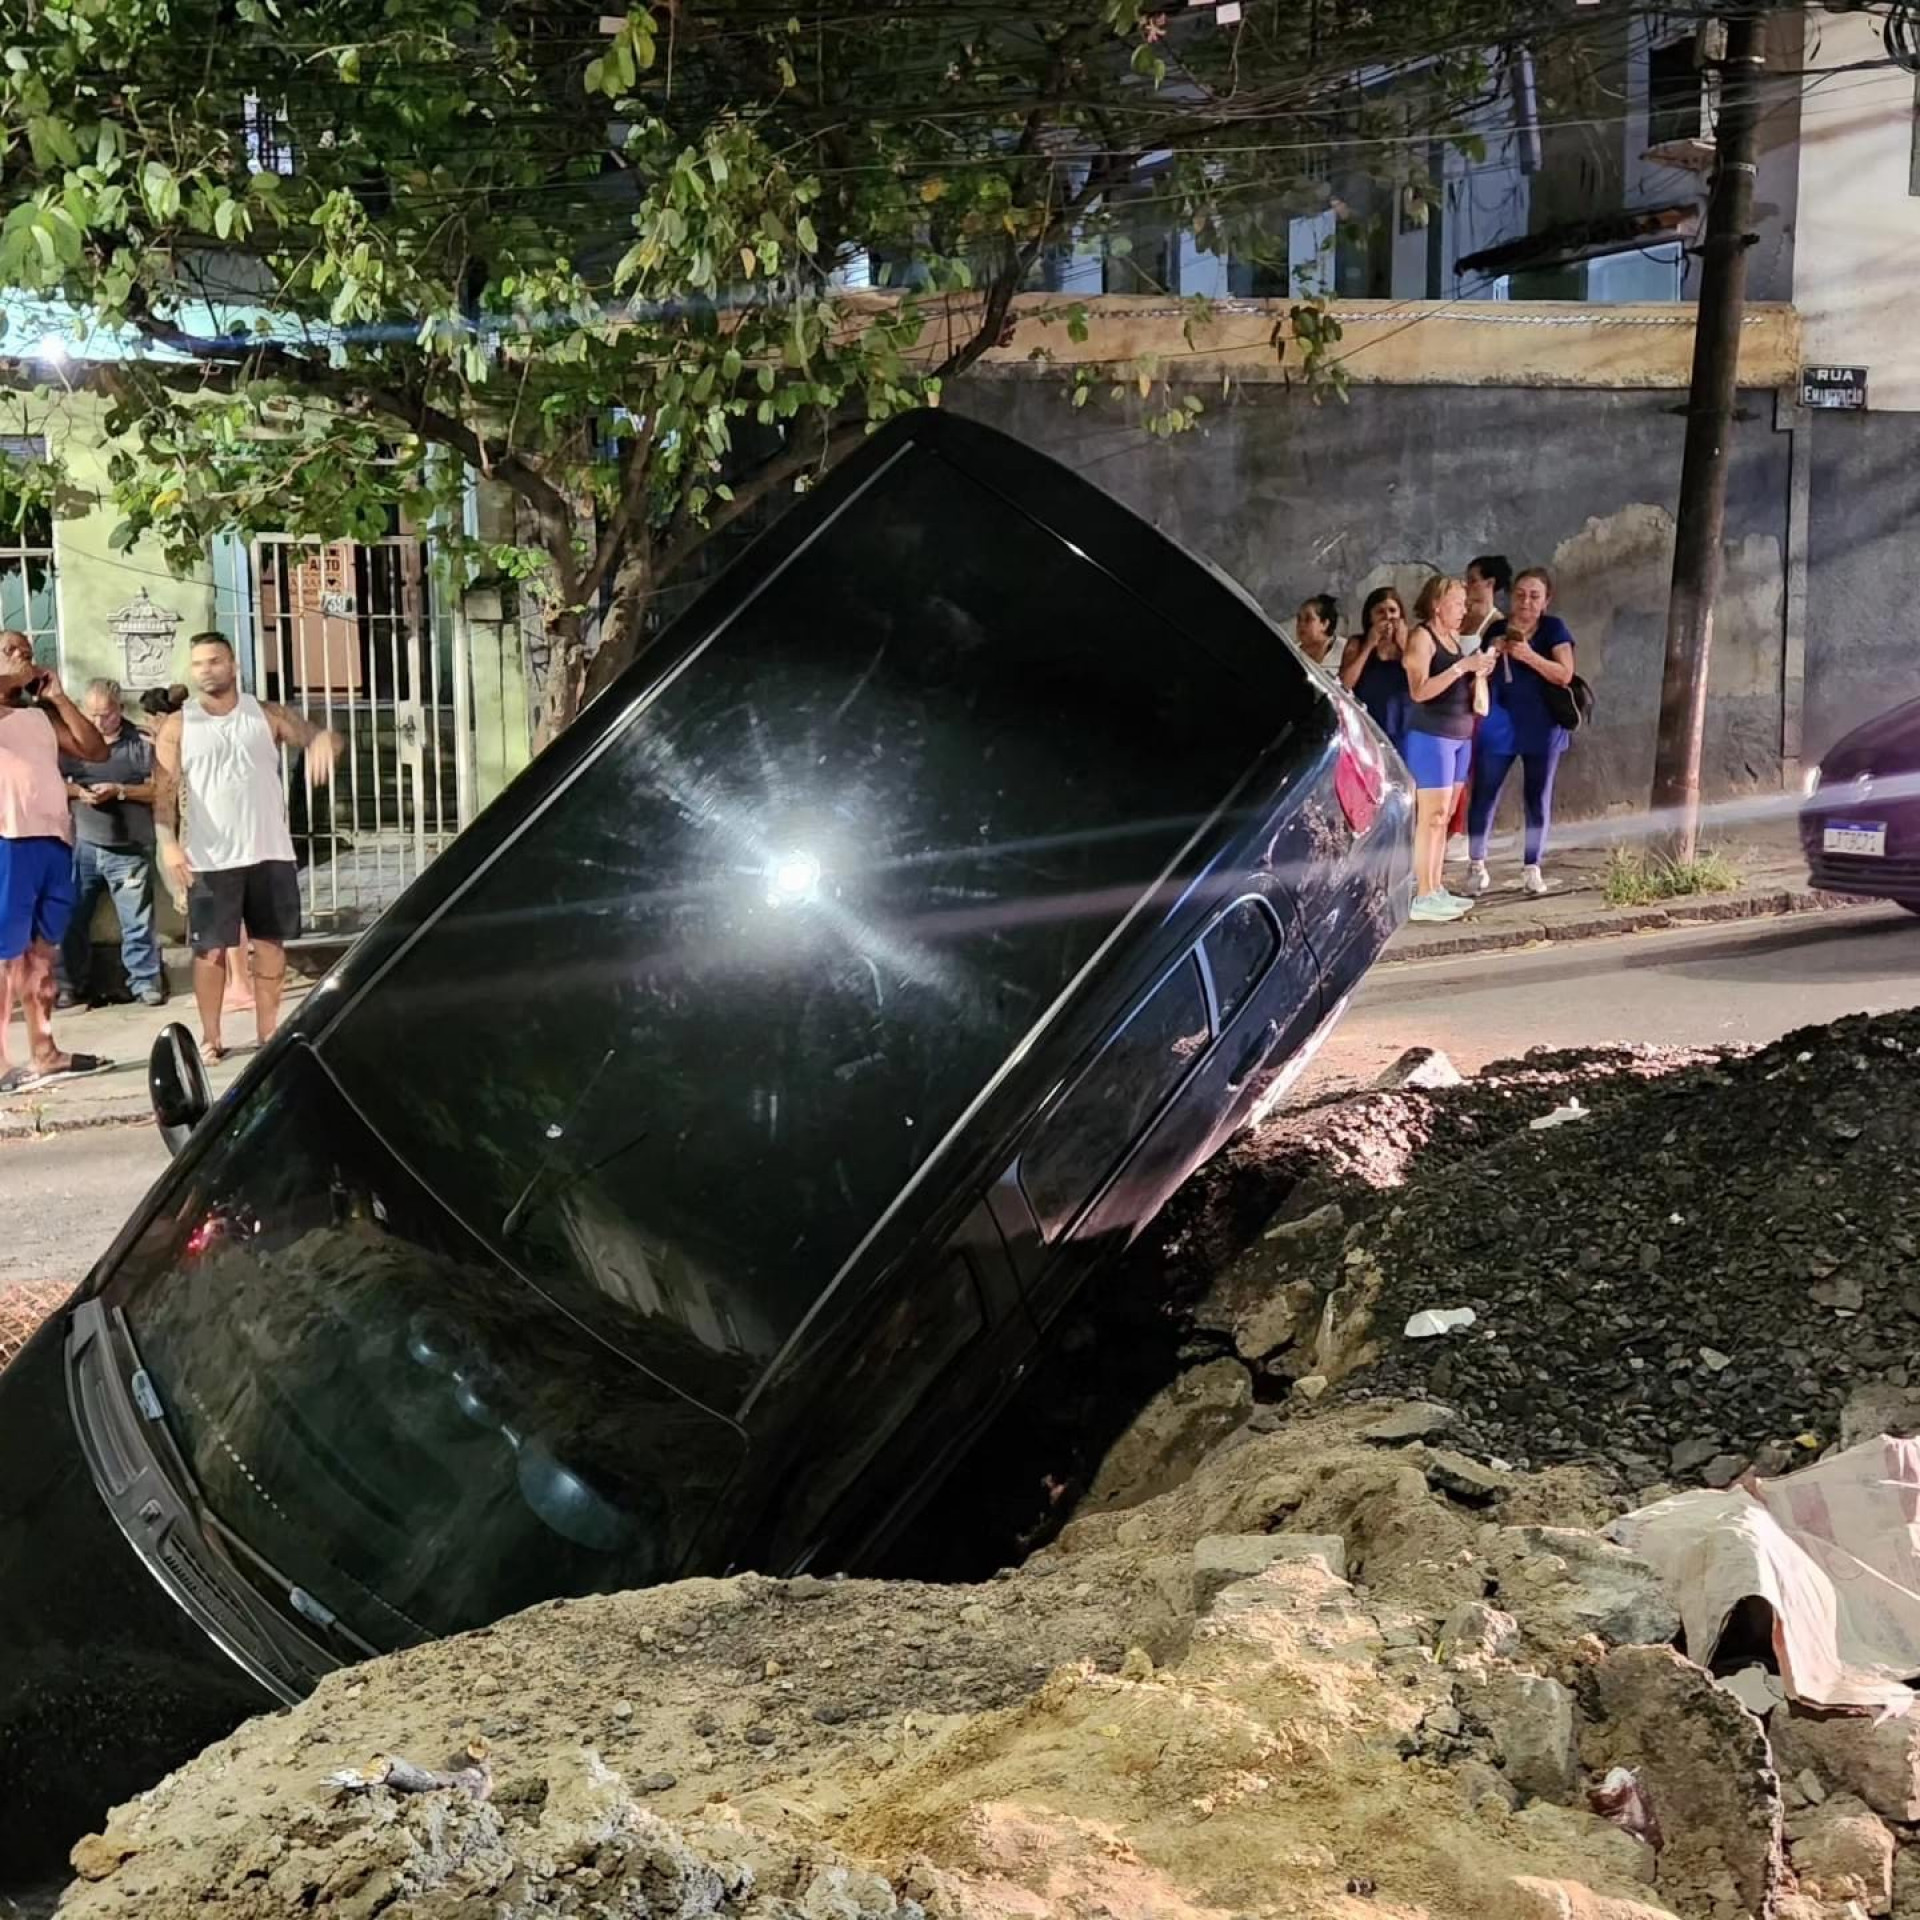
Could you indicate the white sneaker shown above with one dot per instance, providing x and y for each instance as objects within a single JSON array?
[
  {"x": 1478, "y": 878},
  {"x": 1534, "y": 881},
  {"x": 1435, "y": 908},
  {"x": 1457, "y": 847}
]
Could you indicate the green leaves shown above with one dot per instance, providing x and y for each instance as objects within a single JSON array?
[{"x": 611, "y": 259}]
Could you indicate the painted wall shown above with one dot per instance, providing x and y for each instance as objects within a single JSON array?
[
  {"x": 93, "y": 581},
  {"x": 1857, "y": 271},
  {"x": 1296, "y": 499}
]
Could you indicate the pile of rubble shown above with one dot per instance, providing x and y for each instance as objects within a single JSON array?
[
  {"x": 1714, "y": 1269},
  {"x": 1338, "y": 1628},
  {"x": 1326, "y": 1677}
]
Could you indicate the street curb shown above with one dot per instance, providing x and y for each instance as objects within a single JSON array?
[
  {"x": 1747, "y": 906},
  {"x": 16, "y": 1124}
]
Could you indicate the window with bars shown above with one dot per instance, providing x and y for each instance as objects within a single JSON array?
[{"x": 26, "y": 559}]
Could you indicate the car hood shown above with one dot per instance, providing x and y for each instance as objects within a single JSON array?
[{"x": 1888, "y": 743}]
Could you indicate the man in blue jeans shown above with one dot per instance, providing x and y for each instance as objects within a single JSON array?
[{"x": 112, "y": 849}]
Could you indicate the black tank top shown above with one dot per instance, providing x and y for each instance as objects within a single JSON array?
[{"x": 1448, "y": 714}]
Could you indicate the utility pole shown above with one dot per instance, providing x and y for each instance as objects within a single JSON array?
[{"x": 1700, "y": 524}]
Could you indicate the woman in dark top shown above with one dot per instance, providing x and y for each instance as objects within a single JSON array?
[
  {"x": 1370, "y": 668},
  {"x": 1440, "y": 713},
  {"x": 1533, "y": 650}
]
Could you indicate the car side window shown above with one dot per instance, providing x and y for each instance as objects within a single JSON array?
[
  {"x": 1239, "y": 950},
  {"x": 1087, "y": 1135}
]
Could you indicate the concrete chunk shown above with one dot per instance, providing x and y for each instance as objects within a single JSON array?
[
  {"x": 1531, "y": 1720},
  {"x": 1222, "y": 1559},
  {"x": 1527, "y": 1898},
  {"x": 1877, "y": 1761},
  {"x": 1846, "y": 1851}
]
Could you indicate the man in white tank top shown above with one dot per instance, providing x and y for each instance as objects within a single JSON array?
[{"x": 220, "y": 818}]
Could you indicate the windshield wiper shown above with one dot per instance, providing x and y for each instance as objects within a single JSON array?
[{"x": 159, "y": 1506}]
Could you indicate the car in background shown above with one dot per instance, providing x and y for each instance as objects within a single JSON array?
[
  {"x": 1860, "y": 820},
  {"x": 679, "y": 1177}
]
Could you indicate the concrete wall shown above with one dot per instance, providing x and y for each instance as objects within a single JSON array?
[
  {"x": 1863, "y": 650},
  {"x": 1295, "y": 499},
  {"x": 1857, "y": 270}
]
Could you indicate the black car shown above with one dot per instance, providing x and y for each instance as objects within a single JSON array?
[
  {"x": 686, "y": 1169},
  {"x": 1860, "y": 822}
]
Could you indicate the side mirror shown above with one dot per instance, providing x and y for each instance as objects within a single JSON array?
[{"x": 178, "y": 1086}]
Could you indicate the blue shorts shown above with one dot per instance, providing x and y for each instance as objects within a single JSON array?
[
  {"x": 1435, "y": 761},
  {"x": 36, "y": 894}
]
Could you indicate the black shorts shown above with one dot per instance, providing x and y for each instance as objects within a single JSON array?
[{"x": 265, "y": 899}]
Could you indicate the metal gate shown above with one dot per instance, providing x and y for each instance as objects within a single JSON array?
[{"x": 345, "y": 633}]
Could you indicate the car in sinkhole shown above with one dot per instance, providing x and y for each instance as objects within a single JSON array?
[{"x": 678, "y": 1178}]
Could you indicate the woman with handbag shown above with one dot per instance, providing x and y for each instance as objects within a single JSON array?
[{"x": 1531, "y": 695}]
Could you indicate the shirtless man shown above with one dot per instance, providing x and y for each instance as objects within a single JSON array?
[
  {"x": 220, "y": 818},
  {"x": 38, "y": 723}
]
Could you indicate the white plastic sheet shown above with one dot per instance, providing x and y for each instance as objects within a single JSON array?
[{"x": 1833, "y": 1550}]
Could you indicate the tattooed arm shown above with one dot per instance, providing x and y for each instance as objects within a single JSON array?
[
  {"x": 166, "y": 803},
  {"x": 293, "y": 729}
]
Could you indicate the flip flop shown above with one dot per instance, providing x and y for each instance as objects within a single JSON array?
[
  {"x": 78, "y": 1067},
  {"x": 212, "y": 1054}
]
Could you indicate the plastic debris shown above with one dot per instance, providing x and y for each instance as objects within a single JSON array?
[
  {"x": 1755, "y": 1688},
  {"x": 470, "y": 1774},
  {"x": 1622, "y": 1799},
  {"x": 1559, "y": 1117},
  {"x": 1437, "y": 1320}
]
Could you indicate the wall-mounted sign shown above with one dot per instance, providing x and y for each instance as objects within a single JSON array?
[
  {"x": 146, "y": 634},
  {"x": 1843, "y": 389}
]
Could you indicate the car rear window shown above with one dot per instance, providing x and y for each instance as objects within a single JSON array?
[{"x": 689, "y": 1037}]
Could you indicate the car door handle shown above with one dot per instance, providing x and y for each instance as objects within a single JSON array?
[{"x": 1256, "y": 1051}]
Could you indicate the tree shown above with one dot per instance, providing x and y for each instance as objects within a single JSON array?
[{"x": 367, "y": 245}]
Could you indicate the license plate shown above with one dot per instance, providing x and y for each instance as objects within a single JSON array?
[{"x": 1856, "y": 836}]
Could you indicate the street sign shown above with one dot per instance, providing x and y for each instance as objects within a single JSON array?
[{"x": 1841, "y": 388}]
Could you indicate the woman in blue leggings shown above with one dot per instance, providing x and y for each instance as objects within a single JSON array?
[{"x": 1533, "y": 650}]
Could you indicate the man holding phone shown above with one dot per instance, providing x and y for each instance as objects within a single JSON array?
[
  {"x": 112, "y": 851},
  {"x": 37, "y": 724}
]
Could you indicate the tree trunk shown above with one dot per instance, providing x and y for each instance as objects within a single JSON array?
[
  {"x": 563, "y": 686},
  {"x": 623, "y": 628}
]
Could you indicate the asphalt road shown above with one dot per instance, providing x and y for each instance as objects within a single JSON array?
[
  {"x": 63, "y": 1197},
  {"x": 1743, "y": 982}
]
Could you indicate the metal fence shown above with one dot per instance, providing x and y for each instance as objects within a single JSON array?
[{"x": 344, "y": 632}]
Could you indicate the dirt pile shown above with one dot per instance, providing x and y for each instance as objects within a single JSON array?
[
  {"x": 1162, "y": 1309},
  {"x": 1332, "y": 1675},
  {"x": 1279, "y": 1688},
  {"x": 1702, "y": 1271}
]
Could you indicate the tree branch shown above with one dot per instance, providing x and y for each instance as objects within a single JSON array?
[
  {"x": 613, "y": 536},
  {"x": 832, "y": 441}
]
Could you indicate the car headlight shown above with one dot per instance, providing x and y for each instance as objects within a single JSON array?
[{"x": 1810, "y": 784}]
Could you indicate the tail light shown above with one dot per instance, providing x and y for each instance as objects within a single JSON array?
[{"x": 1360, "y": 777}]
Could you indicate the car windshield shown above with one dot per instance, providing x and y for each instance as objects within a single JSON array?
[
  {"x": 682, "y": 1044},
  {"x": 381, "y": 1410}
]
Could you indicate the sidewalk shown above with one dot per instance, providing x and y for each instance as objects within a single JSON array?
[
  {"x": 124, "y": 1035},
  {"x": 1773, "y": 880}
]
